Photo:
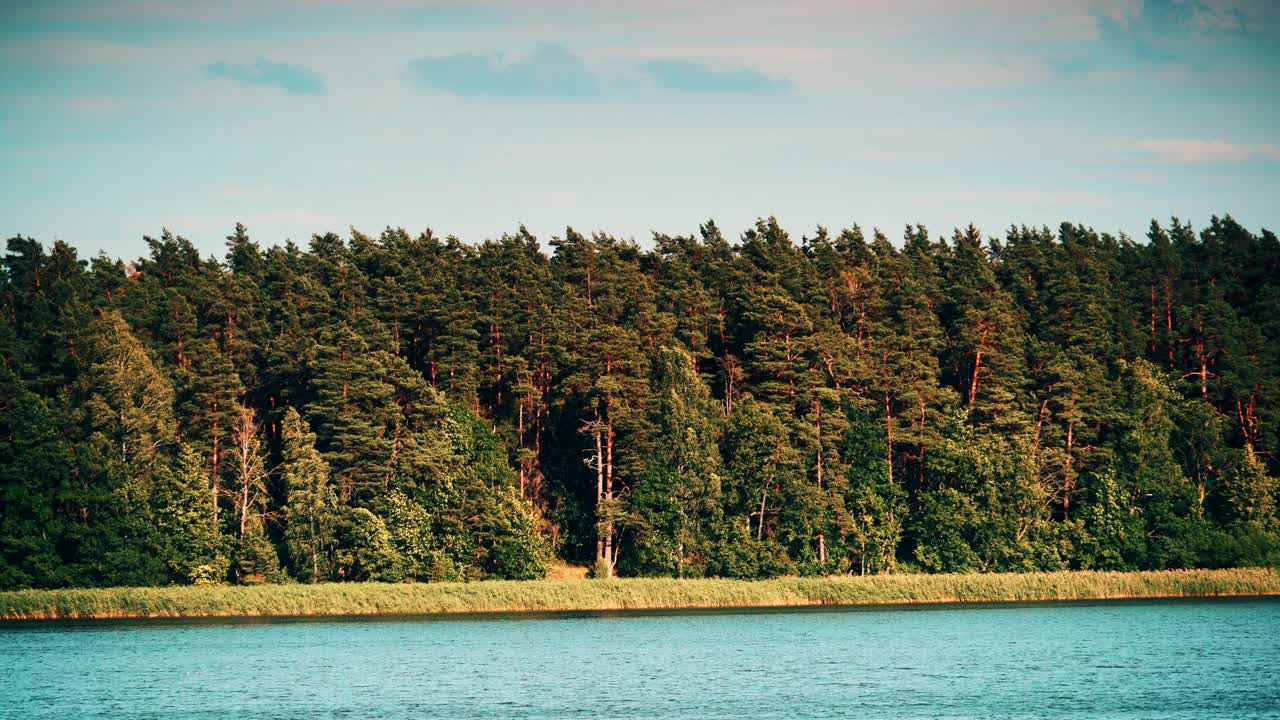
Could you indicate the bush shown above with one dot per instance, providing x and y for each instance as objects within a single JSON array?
[{"x": 600, "y": 570}]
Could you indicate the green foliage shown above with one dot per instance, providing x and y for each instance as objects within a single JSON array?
[
  {"x": 365, "y": 550},
  {"x": 1111, "y": 536},
  {"x": 517, "y": 552},
  {"x": 872, "y": 511},
  {"x": 32, "y": 461},
  {"x": 196, "y": 551},
  {"x": 398, "y": 407},
  {"x": 255, "y": 558},
  {"x": 1249, "y": 493},
  {"x": 948, "y": 521},
  {"x": 600, "y": 570},
  {"x": 676, "y": 499},
  {"x": 310, "y": 510}
]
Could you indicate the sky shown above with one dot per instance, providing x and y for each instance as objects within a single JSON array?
[{"x": 295, "y": 117}]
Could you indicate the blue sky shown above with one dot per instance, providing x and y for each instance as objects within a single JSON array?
[{"x": 119, "y": 119}]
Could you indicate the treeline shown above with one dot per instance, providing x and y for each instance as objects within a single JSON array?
[{"x": 403, "y": 407}]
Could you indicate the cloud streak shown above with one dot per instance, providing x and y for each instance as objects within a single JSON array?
[
  {"x": 691, "y": 76},
  {"x": 150, "y": 21},
  {"x": 1187, "y": 151},
  {"x": 551, "y": 71},
  {"x": 293, "y": 79}
]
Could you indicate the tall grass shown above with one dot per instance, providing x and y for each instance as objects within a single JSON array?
[{"x": 571, "y": 595}]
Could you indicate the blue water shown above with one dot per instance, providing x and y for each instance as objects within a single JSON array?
[{"x": 1133, "y": 660}]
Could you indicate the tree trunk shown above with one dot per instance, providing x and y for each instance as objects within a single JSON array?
[
  {"x": 244, "y": 508},
  {"x": 818, "y": 419},
  {"x": 609, "y": 551},
  {"x": 217, "y": 490},
  {"x": 520, "y": 442},
  {"x": 888, "y": 436},
  {"x": 822, "y": 538},
  {"x": 1068, "y": 479},
  {"x": 599, "y": 495},
  {"x": 973, "y": 383},
  {"x": 315, "y": 534},
  {"x": 764, "y": 493}
]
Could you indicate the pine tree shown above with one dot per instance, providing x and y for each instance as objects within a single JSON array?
[
  {"x": 764, "y": 479},
  {"x": 35, "y": 465},
  {"x": 873, "y": 509},
  {"x": 196, "y": 551},
  {"x": 1249, "y": 493},
  {"x": 209, "y": 391},
  {"x": 1150, "y": 479},
  {"x": 1053, "y": 398},
  {"x": 985, "y": 337},
  {"x": 907, "y": 382},
  {"x": 677, "y": 499},
  {"x": 125, "y": 412},
  {"x": 310, "y": 505},
  {"x": 358, "y": 419}
]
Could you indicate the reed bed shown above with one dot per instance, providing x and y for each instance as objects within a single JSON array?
[{"x": 628, "y": 594}]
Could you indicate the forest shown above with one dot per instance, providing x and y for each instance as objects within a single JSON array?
[{"x": 416, "y": 408}]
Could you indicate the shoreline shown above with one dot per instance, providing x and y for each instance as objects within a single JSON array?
[
  {"x": 494, "y": 615},
  {"x": 627, "y": 595}
]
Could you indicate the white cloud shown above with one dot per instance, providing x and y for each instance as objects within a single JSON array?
[
  {"x": 1230, "y": 15},
  {"x": 245, "y": 191},
  {"x": 1121, "y": 13},
  {"x": 313, "y": 221},
  {"x": 1188, "y": 151},
  {"x": 96, "y": 104},
  {"x": 66, "y": 50},
  {"x": 1024, "y": 198}
]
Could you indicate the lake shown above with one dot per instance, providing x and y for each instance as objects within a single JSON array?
[{"x": 1176, "y": 659}]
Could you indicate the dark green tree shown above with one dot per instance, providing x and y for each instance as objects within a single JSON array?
[{"x": 310, "y": 510}]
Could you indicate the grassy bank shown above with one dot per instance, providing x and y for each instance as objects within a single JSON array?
[{"x": 570, "y": 595}]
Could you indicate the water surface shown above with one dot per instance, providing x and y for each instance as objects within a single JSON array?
[{"x": 1180, "y": 659}]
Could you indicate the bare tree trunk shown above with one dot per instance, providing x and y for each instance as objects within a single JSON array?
[
  {"x": 217, "y": 490},
  {"x": 973, "y": 383},
  {"x": 764, "y": 493},
  {"x": 1068, "y": 480},
  {"x": 244, "y": 509},
  {"x": 520, "y": 442},
  {"x": 250, "y": 469},
  {"x": 610, "y": 553},
  {"x": 599, "y": 495},
  {"x": 822, "y": 537},
  {"x": 1044, "y": 407},
  {"x": 217, "y": 436},
  {"x": 888, "y": 436}
]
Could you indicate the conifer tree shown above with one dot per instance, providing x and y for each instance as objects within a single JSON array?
[
  {"x": 195, "y": 549},
  {"x": 209, "y": 391},
  {"x": 125, "y": 412},
  {"x": 1055, "y": 398},
  {"x": 677, "y": 499},
  {"x": 984, "y": 336},
  {"x": 36, "y": 466},
  {"x": 310, "y": 504},
  {"x": 1249, "y": 493}
]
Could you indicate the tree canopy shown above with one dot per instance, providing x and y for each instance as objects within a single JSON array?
[{"x": 416, "y": 408}]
